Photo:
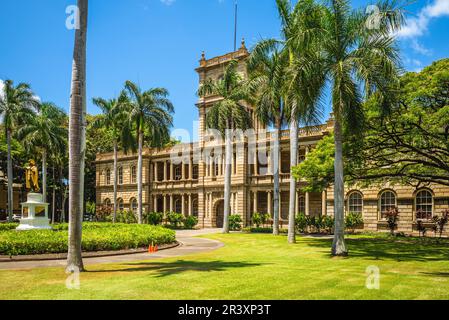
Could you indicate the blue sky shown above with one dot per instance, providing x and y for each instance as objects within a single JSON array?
[{"x": 159, "y": 42}]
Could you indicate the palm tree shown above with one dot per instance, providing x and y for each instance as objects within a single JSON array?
[
  {"x": 47, "y": 135},
  {"x": 226, "y": 115},
  {"x": 77, "y": 142},
  {"x": 149, "y": 111},
  {"x": 267, "y": 66},
  {"x": 17, "y": 104},
  {"x": 294, "y": 97},
  {"x": 357, "y": 60},
  {"x": 113, "y": 118}
]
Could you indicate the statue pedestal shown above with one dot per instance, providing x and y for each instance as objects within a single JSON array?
[{"x": 34, "y": 214}]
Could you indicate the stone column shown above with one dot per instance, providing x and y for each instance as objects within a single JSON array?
[
  {"x": 297, "y": 201},
  {"x": 191, "y": 169},
  {"x": 269, "y": 203},
  {"x": 210, "y": 205},
  {"x": 183, "y": 204},
  {"x": 307, "y": 199},
  {"x": 155, "y": 172},
  {"x": 165, "y": 203},
  {"x": 155, "y": 203},
  {"x": 183, "y": 171},
  {"x": 256, "y": 163},
  {"x": 255, "y": 204},
  {"x": 324, "y": 203},
  {"x": 171, "y": 203},
  {"x": 270, "y": 164},
  {"x": 190, "y": 205},
  {"x": 165, "y": 171},
  {"x": 172, "y": 171}
]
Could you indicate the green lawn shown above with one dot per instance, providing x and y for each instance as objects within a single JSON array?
[{"x": 256, "y": 267}]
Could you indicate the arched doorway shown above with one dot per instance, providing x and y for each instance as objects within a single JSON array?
[{"x": 219, "y": 214}]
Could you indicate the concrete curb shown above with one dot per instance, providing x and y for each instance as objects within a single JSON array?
[{"x": 98, "y": 254}]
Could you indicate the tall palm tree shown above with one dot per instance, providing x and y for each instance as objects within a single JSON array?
[
  {"x": 113, "y": 118},
  {"x": 77, "y": 142},
  {"x": 149, "y": 111},
  {"x": 267, "y": 66},
  {"x": 292, "y": 79},
  {"x": 47, "y": 135},
  {"x": 17, "y": 104},
  {"x": 226, "y": 115},
  {"x": 357, "y": 61}
]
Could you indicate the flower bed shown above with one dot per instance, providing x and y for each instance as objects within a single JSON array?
[{"x": 96, "y": 237}]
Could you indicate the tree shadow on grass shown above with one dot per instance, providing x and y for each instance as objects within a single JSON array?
[
  {"x": 396, "y": 249},
  {"x": 436, "y": 274},
  {"x": 163, "y": 269}
]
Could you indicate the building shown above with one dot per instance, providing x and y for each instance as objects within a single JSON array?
[
  {"x": 17, "y": 197},
  {"x": 196, "y": 187}
]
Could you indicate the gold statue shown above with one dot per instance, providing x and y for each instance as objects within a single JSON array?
[{"x": 31, "y": 177}]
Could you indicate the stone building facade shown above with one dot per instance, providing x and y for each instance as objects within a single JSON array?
[{"x": 196, "y": 185}]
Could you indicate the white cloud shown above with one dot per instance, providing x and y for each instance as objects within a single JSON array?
[{"x": 419, "y": 25}]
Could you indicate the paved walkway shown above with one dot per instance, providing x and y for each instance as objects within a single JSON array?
[{"x": 187, "y": 238}]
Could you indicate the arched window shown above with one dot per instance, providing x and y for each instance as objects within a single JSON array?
[
  {"x": 302, "y": 205},
  {"x": 108, "y": 177},
  {"x": 120, "y": 205},
  {"x": 133, "y": 174},
  {"x": 355, "y": 202},
  {"x": 133, "y": 203},
  {"x": 120, "y": 175},
  {"x": 195, "y": 173},
  {"x": 107, "y": 203},
  {"x": 387, "y": 202},
  {"x": 424, "y": 205}
]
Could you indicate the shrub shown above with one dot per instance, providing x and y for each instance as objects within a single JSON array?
[
  {"x": 260, "y": 219},
  {"x": 262, "y": 230},
  {"x": 103, "y": 213},
  {"x": 127, "y": 217},
  {"x": 328, "y": 224},
  {"x": 175, "y": 219},
  {"x": 421, "y": 228},
  {"x": 190, "y": 222},
  {"x": 353, "y": 220},
  {"x": 153, "y": 218},
  {"x": 96, "y": 237},
  {"x": 235, "y": 222},
  {"x": 301, "y": 223},
  {"x": 392, "y": 216},
  {"x": 441, "y": 222},
  {"x": 8, "y": 226}
]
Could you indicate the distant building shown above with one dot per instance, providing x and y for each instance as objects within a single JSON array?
[
  {"x": 197, "y": 188},
  {"x": 4, "y": 197}
]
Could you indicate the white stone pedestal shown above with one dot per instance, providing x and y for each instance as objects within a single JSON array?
[{"x": 34, "y": 214}]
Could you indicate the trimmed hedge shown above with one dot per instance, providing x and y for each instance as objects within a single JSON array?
[
  {"x": 96, "y": 237},
  {"x": 8, "y": 226}
]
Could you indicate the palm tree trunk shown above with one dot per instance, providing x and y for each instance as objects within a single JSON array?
[
  {"x": 293, "y": 163},
  {"x": 44, "y": 175},
  {"x": 276, "y": 191},
  {"x": 76, "y": 152},
  {"x": 139, "y": 179},
  {"x": 114, "y": 216},
  {"x": 10, "y": 177},
  {"x": 339, "y": 246},
  {"x": 227, "y": 186},
  {"x": 53, "y": 201}
]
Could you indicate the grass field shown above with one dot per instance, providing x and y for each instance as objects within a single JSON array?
[{"x": 257, "y": 267}]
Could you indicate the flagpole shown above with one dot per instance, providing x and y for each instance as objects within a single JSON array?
[{"x": 235, "y": 27}]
